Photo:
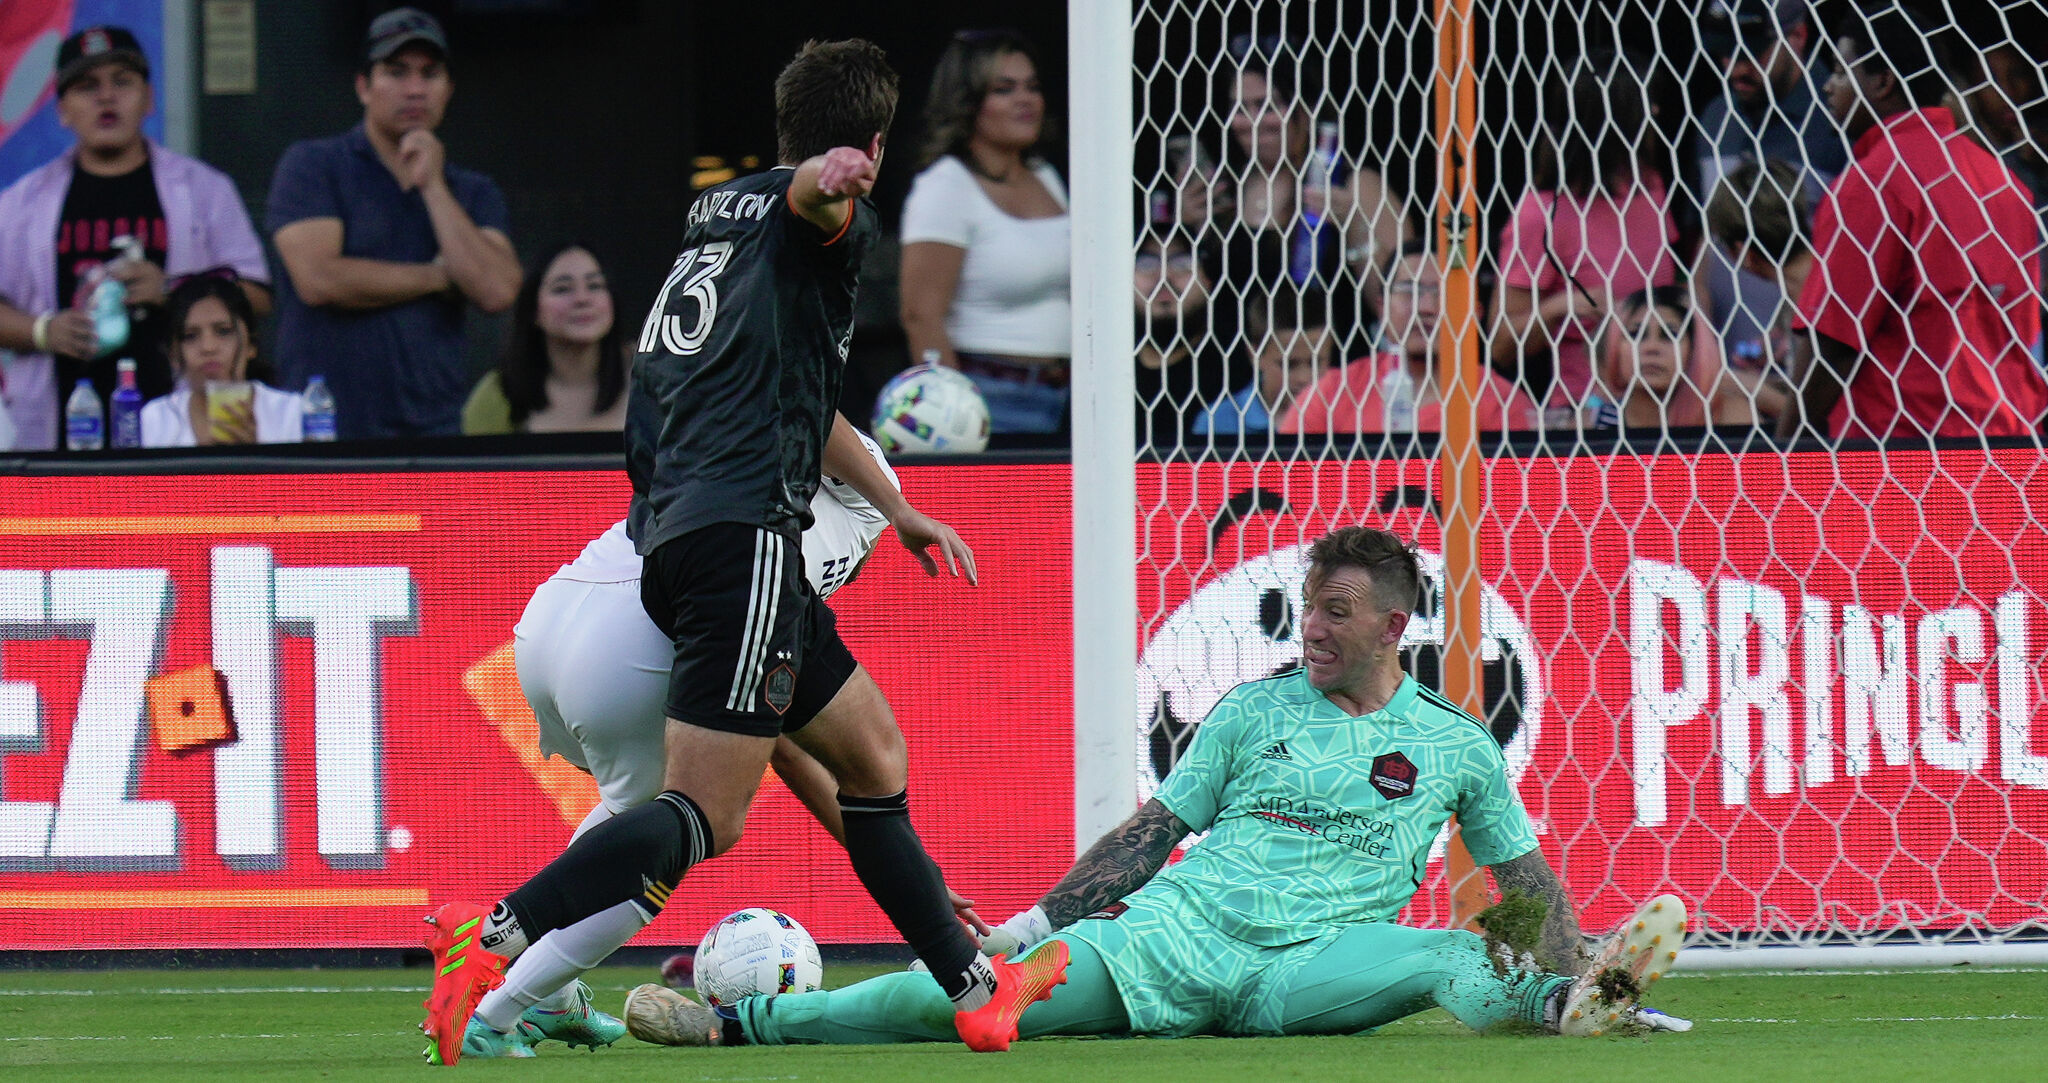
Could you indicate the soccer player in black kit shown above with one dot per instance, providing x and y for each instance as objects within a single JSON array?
[{"x": 730, "y": 422}]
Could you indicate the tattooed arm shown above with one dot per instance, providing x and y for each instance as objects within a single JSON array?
[
  {"x": 1558, "y": 948},
  {"x": 1118, "y": 864}
]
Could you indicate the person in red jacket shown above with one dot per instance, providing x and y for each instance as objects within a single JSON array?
[{"x": 1925, "y": 298}]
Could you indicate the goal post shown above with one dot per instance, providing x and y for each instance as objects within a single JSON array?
[
  {"x": 1105, "y": 499},
  {"x": 1799, "y": 685}
]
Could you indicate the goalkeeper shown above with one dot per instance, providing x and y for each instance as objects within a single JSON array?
[{"x": 1321, "y": 789}]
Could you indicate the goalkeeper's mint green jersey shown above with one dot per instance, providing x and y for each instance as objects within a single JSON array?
[{"x": 1316, "y": 818}]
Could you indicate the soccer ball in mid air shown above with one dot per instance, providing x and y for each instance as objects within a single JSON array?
[
  {"x": 930, "y": 408},
  {"x": 756, "y": 950}
]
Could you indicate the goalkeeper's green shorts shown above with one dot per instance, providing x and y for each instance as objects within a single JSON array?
[{"x": 1179, "y": 975}]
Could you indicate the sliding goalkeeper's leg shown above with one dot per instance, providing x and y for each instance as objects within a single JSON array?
[
  {"x": 1374, "y": 974},
  {"x": 905, "y": 1007}
]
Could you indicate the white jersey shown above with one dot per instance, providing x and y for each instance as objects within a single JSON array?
[
  {"x": 843, "y": 532},
  {"x": 595, "y": 668}
]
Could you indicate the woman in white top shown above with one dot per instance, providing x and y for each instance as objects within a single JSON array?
[
  {"x": 985, "y": 235},
  {"x": 212, "y": 331}
]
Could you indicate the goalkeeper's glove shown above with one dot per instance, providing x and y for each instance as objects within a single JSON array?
[
  {"x": 1011, "y": 937},
  {"x": 1020, "y": 932}
]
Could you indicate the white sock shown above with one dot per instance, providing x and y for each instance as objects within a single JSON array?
[
  {"x": 597, "y": 816},
  {"x": 501, "y": 932},
  {"x": 561, "y": 1000},
  {"x": 981, "y": 985},
  {"x": 556, "y": 960}
]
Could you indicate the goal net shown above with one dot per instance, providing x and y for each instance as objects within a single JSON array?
[{"x": 1544, "y": 307}]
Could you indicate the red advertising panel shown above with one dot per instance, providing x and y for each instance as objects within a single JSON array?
[
  {"x": 1803, "y": 691},
  {"x": 380, "y": 760},
  {"x": 1800, "y": 691}
]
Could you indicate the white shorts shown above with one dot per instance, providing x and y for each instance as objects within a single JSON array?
[{"x": 595, "y": 668}]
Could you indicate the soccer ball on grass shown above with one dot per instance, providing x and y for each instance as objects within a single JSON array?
[
  {"x": 930, "y": 408},
  {"x": 756, "y": 950}
]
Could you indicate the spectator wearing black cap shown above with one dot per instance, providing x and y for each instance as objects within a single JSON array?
[
  {"x": 1772, "y": 111},
  {"x": 385, "y": 243},
  {"x": 59, "y": 224}
]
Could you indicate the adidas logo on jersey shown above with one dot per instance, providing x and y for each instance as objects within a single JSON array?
[{"x": 1277, "y": 752}]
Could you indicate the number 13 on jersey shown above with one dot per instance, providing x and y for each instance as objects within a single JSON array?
[{"x": 696, "y": 272}]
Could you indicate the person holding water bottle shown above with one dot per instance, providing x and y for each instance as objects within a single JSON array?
[
  {"x": 88, "y": 239},
  {"x": 212, "y": 348}
]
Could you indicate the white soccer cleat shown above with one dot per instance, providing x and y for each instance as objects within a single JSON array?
[
  {"x": 662, "y": 1016},
  {"x": 1631, "y": 959}
]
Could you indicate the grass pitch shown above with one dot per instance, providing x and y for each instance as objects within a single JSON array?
[{"x": 160, "y": 1026}]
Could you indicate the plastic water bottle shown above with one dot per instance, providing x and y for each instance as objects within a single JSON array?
[
  {"x": 109, "y": 299},
  {"x": 316, "y": 421},
  {"x": 127, "y": 406},
  {"x": 85, "y": 423},
  {"x": 1400, "y": 396},
  {"x": 1317, "y": 237}
]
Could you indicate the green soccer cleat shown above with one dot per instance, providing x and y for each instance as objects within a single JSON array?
[
  {"x": 1631, "y": 960},
  {"x": 579, "y": 1024},
  {"x": 482, "y": 1041}
]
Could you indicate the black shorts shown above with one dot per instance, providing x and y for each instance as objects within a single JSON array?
[{"x": 757, "y": 651}]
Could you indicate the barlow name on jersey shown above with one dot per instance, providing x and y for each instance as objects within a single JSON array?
[{"x": 739, "y": 364}]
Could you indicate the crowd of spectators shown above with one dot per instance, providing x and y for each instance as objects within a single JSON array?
[
  {"x": 1846, "y": 242},
  {"x": 382, "y": 244},
  {"x": 1851, "y": 248}
]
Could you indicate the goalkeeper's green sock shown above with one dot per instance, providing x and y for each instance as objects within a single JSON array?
[
  {"x": 1375, "y": 974},
  {"x": 910, "y": 1007}
]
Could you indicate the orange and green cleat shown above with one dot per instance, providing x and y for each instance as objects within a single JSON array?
[
  {"x": 463, "y": 972},
  {"x": 993, "y": 1026}
]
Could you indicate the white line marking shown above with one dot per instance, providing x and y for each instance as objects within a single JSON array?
[
  {"x": 220, "y": 991},
  {"x": 2012, "y": 1016},
  {"x": 1856, "y": 972},
  {"x": 169, "y": 1037}
]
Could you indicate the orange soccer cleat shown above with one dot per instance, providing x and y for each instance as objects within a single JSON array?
[
  {"x": 993, "y": 1026},
  {"x": 463, "y": 972}
]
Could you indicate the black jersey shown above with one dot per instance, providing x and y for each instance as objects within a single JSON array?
[{"x": 737, "y": 371}]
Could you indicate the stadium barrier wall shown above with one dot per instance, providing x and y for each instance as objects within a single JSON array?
[
  {"x": 384, "y": 757},
  {"x": 1813, "y": 717},
  {"x": 1650, "y": 686}
]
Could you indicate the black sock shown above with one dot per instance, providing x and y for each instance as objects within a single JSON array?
[
  {"x": 636, "y": 856},
  {"x": 904, "y": 881}
]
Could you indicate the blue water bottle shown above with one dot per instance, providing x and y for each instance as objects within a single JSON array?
[
  {"x": 85, "y": 423},
  {"x": 1317, "y": 239},
  {"x": 316, "y": 416},
  {"x": 127, "y": 406}
]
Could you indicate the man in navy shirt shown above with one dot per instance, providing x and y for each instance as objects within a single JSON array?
[{"x": 384, "y": 245}]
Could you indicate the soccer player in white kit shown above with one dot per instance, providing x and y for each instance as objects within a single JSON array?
[{"x": 595, "y": 669}]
